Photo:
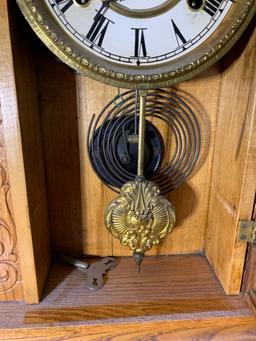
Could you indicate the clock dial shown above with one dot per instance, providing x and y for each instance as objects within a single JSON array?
[
  {"x": 139, "y": 44},
  {"x": 142, "y": 32}
]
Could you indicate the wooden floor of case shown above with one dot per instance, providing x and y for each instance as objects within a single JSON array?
[{"x": 170, "y": 295}]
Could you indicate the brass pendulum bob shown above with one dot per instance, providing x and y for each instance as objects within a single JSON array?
[{"x": 140, "y": 217}]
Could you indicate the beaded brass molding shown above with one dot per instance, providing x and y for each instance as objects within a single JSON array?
[{"x": 82, "y": 65}]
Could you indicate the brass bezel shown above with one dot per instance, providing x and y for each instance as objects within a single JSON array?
[{"x": 185, "y": 67}]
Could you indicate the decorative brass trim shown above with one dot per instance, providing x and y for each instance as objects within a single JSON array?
[{"x": 185, "y": 68}]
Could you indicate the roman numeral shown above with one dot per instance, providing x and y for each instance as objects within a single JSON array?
[
  {"x": 212, "y": 6},
  {"x": 179, "y": 36},
  {"x": 139, "y": 44},
  {"x": 64, "y": 5},
  {"x": 99, "y": 28}
]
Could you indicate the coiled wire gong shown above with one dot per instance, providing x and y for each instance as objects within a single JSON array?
[{"x": 172, "y": 143}]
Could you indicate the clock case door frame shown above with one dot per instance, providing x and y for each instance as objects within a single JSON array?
[{"x": 27, "y": 168}]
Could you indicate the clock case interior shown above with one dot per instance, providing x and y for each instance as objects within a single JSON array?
[{"x": 66, "y": 201}]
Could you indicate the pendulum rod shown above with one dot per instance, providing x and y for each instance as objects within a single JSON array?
[
  {"x": 138, "y": 256},
  {"x": 142, "y": 120}
]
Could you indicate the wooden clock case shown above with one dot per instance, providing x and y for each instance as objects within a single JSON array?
[{"x": 51, "y": 201}]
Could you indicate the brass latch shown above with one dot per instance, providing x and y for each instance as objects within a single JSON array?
[{"x": 247, "y": 231}]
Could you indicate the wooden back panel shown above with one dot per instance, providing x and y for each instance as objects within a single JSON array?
[{"x": 190, "y": 200}]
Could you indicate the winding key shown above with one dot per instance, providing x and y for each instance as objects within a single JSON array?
[{"x": 94, "y": 272}]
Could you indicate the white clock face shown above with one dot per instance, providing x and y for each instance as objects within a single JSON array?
[{"x": 145, "y": 32}]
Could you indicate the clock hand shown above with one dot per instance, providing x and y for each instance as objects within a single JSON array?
[
  {"x": 105, "y": 3},
  {"x": 104, "y": 6},
  {"x": 142, "y": 13}
]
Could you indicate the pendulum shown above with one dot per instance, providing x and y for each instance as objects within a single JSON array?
[{"x": 140, "y": 217}]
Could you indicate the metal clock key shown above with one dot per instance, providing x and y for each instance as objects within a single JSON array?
[{"x": 94, "y": 272}]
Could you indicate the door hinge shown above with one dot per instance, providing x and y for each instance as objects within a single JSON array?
[{"x": 247, "y": 231}]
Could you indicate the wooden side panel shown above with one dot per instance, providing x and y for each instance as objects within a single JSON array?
[
  {"x": 191, "y": 199},
  {"x": 30, "y": 127},
  {"x": 10, "y": 273},
  {"x": 24, "y": 152},
  {"x": 58, "y": 107},
  {"x": 234, "y": 168},
  {"x": 11, "y": 129}
]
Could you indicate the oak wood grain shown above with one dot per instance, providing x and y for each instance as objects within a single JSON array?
[
  {"x": 239, "y": 328},
  {"x": 32, "y": 149},
  {"x": 234, "y": 168},
  {"x": 167, "y": 285},
  {"x": 58, "y": 110},
  {"x": 160, "y": 303}
]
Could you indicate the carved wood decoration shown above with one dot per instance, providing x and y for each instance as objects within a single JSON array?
[{"x": 10, "y": 276}]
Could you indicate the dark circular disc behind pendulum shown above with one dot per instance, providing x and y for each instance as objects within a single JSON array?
[{"x": 114, "y": 150}]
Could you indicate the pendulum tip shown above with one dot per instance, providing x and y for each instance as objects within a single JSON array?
[{"x": 138, "y": 257}]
